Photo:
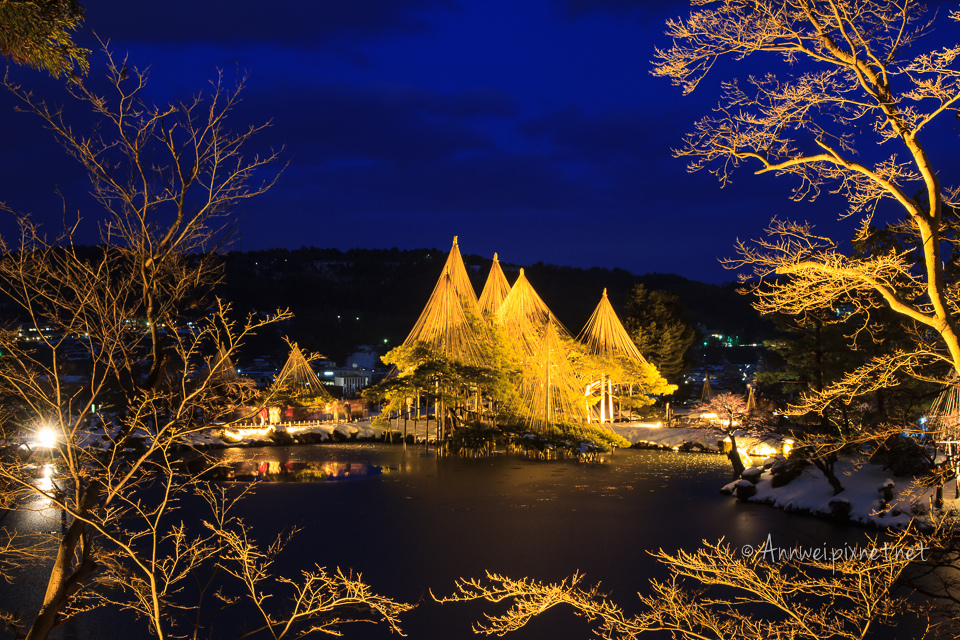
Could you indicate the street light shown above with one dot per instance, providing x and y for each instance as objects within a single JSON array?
[{"x": 47, "y": 438}]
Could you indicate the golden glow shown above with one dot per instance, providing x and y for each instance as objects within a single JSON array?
[
  {"x": 46, "y": 437},
  {"x": 787, "y": 446},
  {"x": 45, "y": 480},
  {"x": 763, "y": 450},
  {"x": 243, "y": 432}
]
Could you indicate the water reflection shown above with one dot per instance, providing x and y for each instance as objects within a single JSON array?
[
  {"x": 427, "y": 521},
  {"x": 416, "y": 523},
  {"x": 290, "y": 471}
]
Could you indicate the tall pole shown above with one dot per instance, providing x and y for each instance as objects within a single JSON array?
[
  {"x": 586, "y": 402},
  {"x": 603, "y": 398},
  {"x": 546, "y": 337},
  {"x": 610, "y": 397}
]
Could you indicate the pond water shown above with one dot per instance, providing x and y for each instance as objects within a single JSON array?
[
  {"x": 425, "y": 521},
  {"x": 411, "y": 522}
]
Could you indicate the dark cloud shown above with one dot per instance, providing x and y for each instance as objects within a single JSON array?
[
  {"x": 298, "y": 23},
  {"x": 397, "y": 124},
  {"x": 531, "y": 129},
  {"x": 579, "y": 8},
  {"x": 492, "y": 183},
  {"x": 596, "y": 136}
]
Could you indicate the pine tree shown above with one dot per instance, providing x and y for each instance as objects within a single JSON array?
[
  {"x": 38, "y": 34},
  {"x": 659, "y": 328}
]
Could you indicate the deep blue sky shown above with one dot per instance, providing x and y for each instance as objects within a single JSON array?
[{"x": 531, "y": 128}]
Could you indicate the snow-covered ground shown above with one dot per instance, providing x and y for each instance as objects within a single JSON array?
[
  {"x": 322, "y": 432},
  {"x": 655, "y": 435},
  {"x": 757, "y": 446},
  {"x": 261, "y": 436},
  {"x": 862, "y": 483},
  {"x": 862, "y": 497}
]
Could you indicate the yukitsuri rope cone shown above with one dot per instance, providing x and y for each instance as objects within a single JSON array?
[
  {"x": 523, "y": 315},
  {"x": 943, "y": 424},
  {"x": 447, "y": 322},
  {"x": 299, "y": 376},
  {"x": 616, "y": 362},
  {"x": 707, "y": 392},
  {"x": 223, "y": 366},
  {"x": 445, "y": 326},
  {"x": 450, "y": 327},
  {"x": 494, "y": 291},
  {"x": 549, "y": 389},
  {"x": 605, "y": 336}
]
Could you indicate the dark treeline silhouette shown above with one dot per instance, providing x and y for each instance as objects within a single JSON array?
[{"x": 345, "y": 299}]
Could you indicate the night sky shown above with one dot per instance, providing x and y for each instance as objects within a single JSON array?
[{"x": 531, "y": 128}]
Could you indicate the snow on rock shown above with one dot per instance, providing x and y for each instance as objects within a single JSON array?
[
  {"x": 744, "y": 489},
  {"x": 654, "y": 435},
  {"x": 869, "y": 498},
  {"x": 860, "y": 501}
]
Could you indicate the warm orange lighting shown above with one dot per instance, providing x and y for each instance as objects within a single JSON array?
[{"x": 46, "y": 437}]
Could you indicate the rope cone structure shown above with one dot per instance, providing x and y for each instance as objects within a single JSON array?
[
  {"x": 523, "y": 315},
  {"x": 943, "y": 424},
  {"x": 223, "y": 366},
  {"x": 549, "y": 389},
  {"x": 494, "y": 291},
  {"x": 460, "y": 279},
  {"x": 706, "y": 393},
  {"x": 445, "y": 322},
  {"x": 448, "y": 332},
  {"x": 605, "y": 336},
  {"x": 606, "y": 339},
  {"x": 445, "y": 326},
  {"x": 298, "y": 374}
]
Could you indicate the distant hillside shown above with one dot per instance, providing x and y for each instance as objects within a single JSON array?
[{"x": 344, "y": 299}]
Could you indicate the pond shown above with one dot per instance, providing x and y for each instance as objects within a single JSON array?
[
  {"x": 425, "y": 521},
  {"x": 411, "y": 522}
]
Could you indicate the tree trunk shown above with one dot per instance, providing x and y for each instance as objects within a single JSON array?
[
  {"x": 64, "y": 580},
  {"x": 826, "y": 465},
  {"x": 734, "y": 456}
]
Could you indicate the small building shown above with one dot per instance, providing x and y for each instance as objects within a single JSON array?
[{"x": 352, "y": 379}]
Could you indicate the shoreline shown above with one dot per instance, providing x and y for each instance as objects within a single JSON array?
[{"x": 872, "y": 498}]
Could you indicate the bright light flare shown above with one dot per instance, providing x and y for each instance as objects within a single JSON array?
[
  {"x": 45, "y": 478},
  {"x": 47, "y": 438}
]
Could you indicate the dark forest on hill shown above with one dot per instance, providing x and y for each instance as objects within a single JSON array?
[{"x": 345, "y": 299}]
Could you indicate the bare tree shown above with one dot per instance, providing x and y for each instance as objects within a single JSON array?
[
  {"x": 853, "y": 113},
  {"x": 113, "y": 360},
  {"x": 716, "y": 593},
  {"x": 727, "y": 405}
]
